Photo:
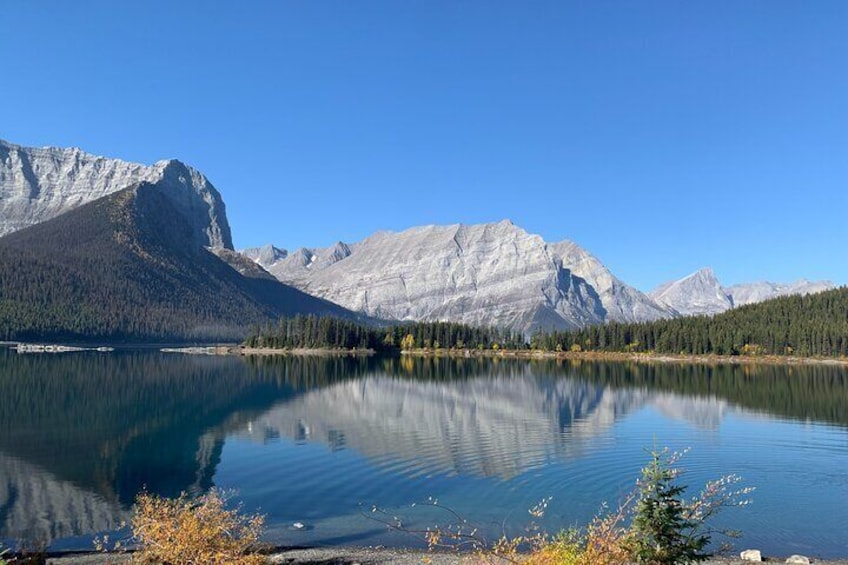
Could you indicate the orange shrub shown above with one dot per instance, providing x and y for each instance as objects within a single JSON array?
[{"x": 185, "y": 531}]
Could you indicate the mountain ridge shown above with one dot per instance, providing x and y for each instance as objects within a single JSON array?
[
  {"x": 133, "y": 272},
  {"x": 481, "y": 274},
  {"x": 484, "y": 274},
  {"x": 330, "y": 272},
  {"x": 40, "y": 183},
  {"x": 701, "y": 293}
]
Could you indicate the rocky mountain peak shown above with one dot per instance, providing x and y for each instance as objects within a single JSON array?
[
  {"x": 695, "y": 294},
  {"x": 266, "y": 255},
  {"x": 37, "y": 184},
  {"x": 484, "y": 274}
]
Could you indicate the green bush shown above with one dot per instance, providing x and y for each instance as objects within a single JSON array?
[{"x": 664, "y": 530}]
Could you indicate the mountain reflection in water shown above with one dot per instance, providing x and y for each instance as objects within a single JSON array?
[{"x": 83, "y": 433}]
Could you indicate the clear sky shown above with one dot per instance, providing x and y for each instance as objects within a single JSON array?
[{"x": 661, "y": 136}]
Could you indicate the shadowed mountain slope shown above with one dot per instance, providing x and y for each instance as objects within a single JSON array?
[{"x": 130, "y": 267}]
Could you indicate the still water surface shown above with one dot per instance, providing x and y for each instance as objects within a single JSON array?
[{"x": 316, "y": 440}]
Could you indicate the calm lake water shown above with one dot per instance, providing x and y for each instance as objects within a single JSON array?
[{"x": 316, "y": 440}]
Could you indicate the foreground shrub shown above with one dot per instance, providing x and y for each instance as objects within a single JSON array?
[
  {"x": 201, "y": 531},
  {"x": 665, "y": 531},
  {"x": 654, "y": 525}
]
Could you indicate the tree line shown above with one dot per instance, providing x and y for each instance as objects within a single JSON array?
[
  {"x": 310, "y": 332},
  {"x": 811, "y": 325}
]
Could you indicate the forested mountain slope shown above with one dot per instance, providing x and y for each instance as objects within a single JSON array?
[{"x": 128, "y": 267}]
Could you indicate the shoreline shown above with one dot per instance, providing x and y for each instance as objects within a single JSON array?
[
  {"x": 709, "y": 359},
  {"x": 530, "y": 354},
  {"x": 371, "y": 556}
]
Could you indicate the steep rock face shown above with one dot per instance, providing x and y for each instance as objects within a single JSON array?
[
  {"x": 750, "y": 293},
  {"x": 488, "y": 274},
  {"x": 37, "y": 184},
  {"x": 696, "y": 294},
  {"x": 622, "y": 302}
]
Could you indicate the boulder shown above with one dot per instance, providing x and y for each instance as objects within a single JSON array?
[
  {"x": 751, "y": 555},
  {"x": 798, "y": 560}
]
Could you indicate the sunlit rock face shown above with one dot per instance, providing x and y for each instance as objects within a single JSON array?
[
  {"x": 698, "y": 293},
  {"x": 498, "y": 426},
  {"x": 702, "y": 293},
  {"x": 488, "y": 274},
  {"x": 37, "y": 184},
  {"x": 750, "y": 293},
  {"x": 622, "y": 302}
]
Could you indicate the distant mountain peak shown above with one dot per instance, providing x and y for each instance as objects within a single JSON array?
[
  {"x": 266, "y": 255},
  {"x": 702, "y": 293},
  {"x": 695, "y": 294}
]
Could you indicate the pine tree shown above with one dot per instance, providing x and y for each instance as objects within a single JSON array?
[{"x": 664, "y": 534}]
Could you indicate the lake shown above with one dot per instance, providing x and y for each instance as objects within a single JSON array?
[{"x": 321, "y": 440}]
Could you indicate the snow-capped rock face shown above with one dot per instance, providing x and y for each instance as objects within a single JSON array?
[
  {"x": 750, "y": 293},
  {"x": 696, "y": 294},
  {"x": 622, "y": 302},
  {"x": 487, "y": 274},
  {"x": 37, "y": 184}
]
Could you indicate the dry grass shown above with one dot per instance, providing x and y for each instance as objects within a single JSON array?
[{"x": 185, "y": 531}]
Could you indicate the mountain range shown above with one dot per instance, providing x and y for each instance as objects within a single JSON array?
[
  {"x": 93, "y": 246},
  {"x": 497, "y": 274}
]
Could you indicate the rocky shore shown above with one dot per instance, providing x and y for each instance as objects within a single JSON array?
[{"x": 369, "y": 556}]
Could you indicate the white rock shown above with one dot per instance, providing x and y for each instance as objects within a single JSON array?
[
  {"x": 751, "y": 555},
  {"x": 798, "y": 560}
]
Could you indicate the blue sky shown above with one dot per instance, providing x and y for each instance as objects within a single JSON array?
[{"x": 661, "y": 136}]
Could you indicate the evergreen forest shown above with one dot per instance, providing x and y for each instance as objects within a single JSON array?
[{"x": 813, "y": 325}]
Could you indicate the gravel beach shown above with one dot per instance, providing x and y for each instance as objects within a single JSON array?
[{"x": 365, "y": 556}]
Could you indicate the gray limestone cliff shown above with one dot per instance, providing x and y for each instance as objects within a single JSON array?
[
  {"x": 37, "y": 184},
  {"x": 486, "y": 274},
  {"x": 622, "y": 302}
]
